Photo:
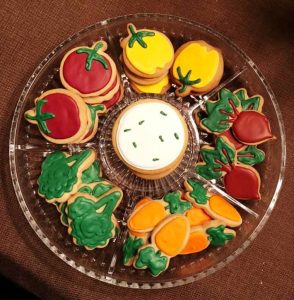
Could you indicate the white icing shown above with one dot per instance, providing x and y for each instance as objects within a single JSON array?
[{"x": 147, "y": 135}]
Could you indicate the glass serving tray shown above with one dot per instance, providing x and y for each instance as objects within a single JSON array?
[{"x": 28, "y": 149}]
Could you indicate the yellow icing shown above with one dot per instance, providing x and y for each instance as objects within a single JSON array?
[
  {"x": 223, "y": 208},
  {"x": 158, "y": 54},
  {"x": 147, "y": 216},
  {"x": 170, "y": 238},
  {"x": 155, "y": 88},
  {"x": 203, "y": 63}
]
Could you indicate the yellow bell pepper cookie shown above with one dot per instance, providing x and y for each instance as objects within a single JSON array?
[
  {"x": 198, "y": 67},
  {"x": 157, "y": 88},
  {"x": 146, "y": 52}
]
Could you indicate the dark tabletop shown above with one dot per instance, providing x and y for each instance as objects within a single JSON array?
[{"x": 29, "y": 30}]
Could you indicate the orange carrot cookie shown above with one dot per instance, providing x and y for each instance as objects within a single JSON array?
[
  {"x": 214, "y": 205},
  {"x": 198, "y": 67}
]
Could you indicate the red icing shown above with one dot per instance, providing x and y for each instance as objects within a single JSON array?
[
  {"x": 111, "y": 88},
  {"x": 113, "y": 100},
  {"x": 228, "y": 134},
  {"x": 88, "y": 134},
  {"x": 86, "y": 82},
  {"x": 252, "y": 127},
  {"x": 242, "y": 183},
  {"x": 66, "y": 122}
]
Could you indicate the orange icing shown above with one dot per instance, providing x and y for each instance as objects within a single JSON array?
[
  {"x": 223, "y": 208},
  {"x": 197, "y": 242},
  {"x": 142, "y": 201},
  {"x": 147, "y": 216},
  {"x": 170, "y": 238},
  {"x": 197, "y": 216}
]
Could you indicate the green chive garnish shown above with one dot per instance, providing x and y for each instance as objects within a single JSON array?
[
  {"x": 127, "y": 130},
  {"x": 141, "y": 122},
  {"x": 163, "y": 113},
  {"x": 161, "y": 139},
  {"x": 134, "y": 144},
  {"x": 176, "y": 136},
  {"x": 155, "y": 159}
]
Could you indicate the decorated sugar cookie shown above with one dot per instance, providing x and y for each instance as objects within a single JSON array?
[
  {"x": 250, "y": 127},
  {"x": 115, "y": 99},
  {"x": 212, "y": 233},
  {"x": 241, "y": 181},
  {"x": 197, "y": 216},
  {"x": 93, "y": 122},
  {"x": 61, "y": 116},
  {"x": 88, "y": 71},
  {"x": 157, "y": 88},
  {"x": 198, "y": 67},
  {"x": 61, "y": 174},
  {"x": 150, "y": 136},
  {"x": 91, "y": 220},
  {"x": 147, "y": 53},
  {"x": 215, "y": 206},
  {"x": 107, "y": 95},
  {"x": 167, "y": 240}
]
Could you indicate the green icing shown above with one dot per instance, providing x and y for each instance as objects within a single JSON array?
[
  {"x": 58, "y": 175},
  {"x": 93, "y": 112},
  {"x": 93, "y": 55},
  {"x": 175, "y": 204},
  {"x": 216, "y": 160},
  {"x": 63, "y": 214},
  {"x": 92, "y": 174},
  {"x": 131, "y": 247},
  {"x": 137, "y": 36},
  {"x": 199, "y": 193},
  {"x": 251, "y": 155},
  {"x": 40, "y": 117},
  {"x": 89, "y": 227},
  {"x": 98, "y": 190},
  {"x": 185, "y": 80},
  {"x": 251, "y": 103},
  {"x": 221, "y": 113},
  {"x": 218, "y": 237},
  {"x": 151, "y": 259}
]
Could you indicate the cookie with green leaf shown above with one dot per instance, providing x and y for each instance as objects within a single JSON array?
[
  {"x": 198, "y": 68},
  {"x": 61, "y": 116},
  {"x": 214, "y": 205},
  {"x": 61, "y": 174},
  {"x": 95, "y": 68},
  {"x": 91, "y": 222},
  {"x": 240, "y": 181},
  {"x": 146, "y": 53},
  {"x": 240, "y": 114}
]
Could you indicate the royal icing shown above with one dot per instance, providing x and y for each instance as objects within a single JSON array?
[
  {"x": 155, "y": 88},
  {"x": 148, "y": 50},
  {"x": 196, "y": 65},
  {"x": 151, "y": 135}
]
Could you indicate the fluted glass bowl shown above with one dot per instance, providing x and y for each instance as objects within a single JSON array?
[{"x": 28, "y": 149}]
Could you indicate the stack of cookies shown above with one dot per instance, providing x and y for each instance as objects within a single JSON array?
[
  {"x": 147, "y": 56},
  {"x": 92, "y": 86},
  {"x": 85, "y": 200},
  {"x": 178, "y": 224}
]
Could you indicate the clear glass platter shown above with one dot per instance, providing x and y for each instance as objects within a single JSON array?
[{"x": 27, "y": 149}]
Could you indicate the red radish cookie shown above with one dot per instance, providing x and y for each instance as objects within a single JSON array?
[
  {"x": 61, "y": 116},
  {"x": 88, "y": 71},
  {"x": 241, "y": 181},
  {"x": 249, "y": 127}
]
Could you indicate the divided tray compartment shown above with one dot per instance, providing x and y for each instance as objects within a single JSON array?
[{"x": 27, "y": 149}]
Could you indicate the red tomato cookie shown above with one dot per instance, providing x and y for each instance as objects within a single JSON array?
[
  {"x": 88, "y": 71},
  {"x": 61, "y": 116}
]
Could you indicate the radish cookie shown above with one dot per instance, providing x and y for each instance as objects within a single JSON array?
[{"x": 150, "y": 136}]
